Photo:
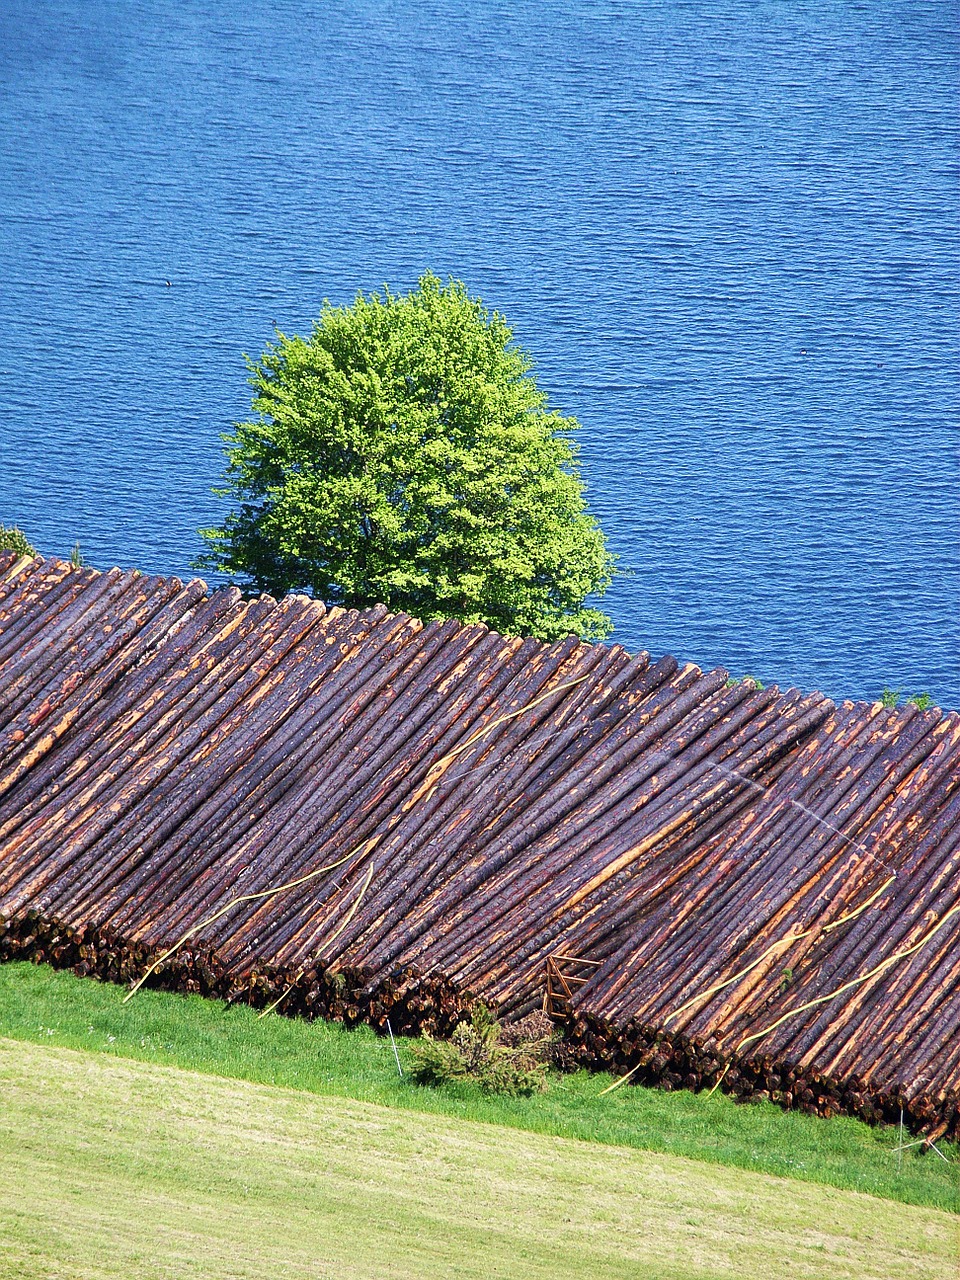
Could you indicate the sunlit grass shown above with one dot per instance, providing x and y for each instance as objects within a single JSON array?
[
  {"x": 116, "y": 1169},
  {"x": 48, "y": 1007}
]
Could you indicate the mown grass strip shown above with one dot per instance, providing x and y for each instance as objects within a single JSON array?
[
  {"x": 55, "y": 1008},
  {"x": 117, "y": 1168}
]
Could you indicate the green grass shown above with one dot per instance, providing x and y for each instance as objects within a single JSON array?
[
  {"x": 115, "y": 1169},
  {"x": 57, "y": 1009}
]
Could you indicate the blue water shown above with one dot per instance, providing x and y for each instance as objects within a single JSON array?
[{"x": 726, "y": 232}]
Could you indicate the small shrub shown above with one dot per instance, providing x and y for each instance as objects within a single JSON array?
[
  {"x": 15, "y": 540},
  {"x": 891, "y": 698},
  {"x": 510, "y": 1060}
]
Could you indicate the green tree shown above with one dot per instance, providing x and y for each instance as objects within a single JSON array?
[
  {"x": 404, "y": 455},
  {"x": 15, "y": 539}
]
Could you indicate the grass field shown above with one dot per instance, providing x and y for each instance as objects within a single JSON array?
[
  {"x": 115, "y": 1168},
  {"x": 57, "y": 1009}
]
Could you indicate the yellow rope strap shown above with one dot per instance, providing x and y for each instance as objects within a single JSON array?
[
  {"x": 439, "y": 769},
  {"x": 432, "y": 778},
  {"x": 865, "y": 977},
  {"x": 854, "y": 982},
  {"x": 360, "y": 851},
  {"x": 326, "y": 942},
  {"x": 781, "y": 945}
]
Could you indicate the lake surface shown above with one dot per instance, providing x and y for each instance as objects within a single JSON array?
[{"x": 727, "y": 233}]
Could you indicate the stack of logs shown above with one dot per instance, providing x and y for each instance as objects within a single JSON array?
[{"x": 361, "y": 817}]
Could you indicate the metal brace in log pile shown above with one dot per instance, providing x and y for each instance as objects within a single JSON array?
[{"x": 564, "y": 975}]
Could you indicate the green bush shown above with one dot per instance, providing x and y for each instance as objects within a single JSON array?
[
  {"x": 15, "y": 540},
  {"x": 511, "y": 1060},
  {"x": 733, "y": 681},
  {"x": 891, "y": 698}
]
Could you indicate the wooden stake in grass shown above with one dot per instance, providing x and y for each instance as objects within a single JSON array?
[{"x": 395, "y": 1053}]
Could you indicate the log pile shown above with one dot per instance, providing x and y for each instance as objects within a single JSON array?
[{"x": 353, "y": 815}]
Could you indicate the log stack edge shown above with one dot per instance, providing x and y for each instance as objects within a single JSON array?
[{"x": 703, "y": 880}]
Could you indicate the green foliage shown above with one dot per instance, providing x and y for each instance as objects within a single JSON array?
[
  {"x": 76, "y": 559},
  {"x": 404, "y": 455},
  {"x": 891, "y": 698},
  {"x": 15, "y": 539},
  {"x": 513, "y": 1062},
  {"x": 752, "y": 680}
]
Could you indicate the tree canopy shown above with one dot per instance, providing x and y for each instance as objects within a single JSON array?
[{"x": 404, "y": 455}]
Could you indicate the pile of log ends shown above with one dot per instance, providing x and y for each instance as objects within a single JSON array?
[{"x": 354, "y": 815}]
